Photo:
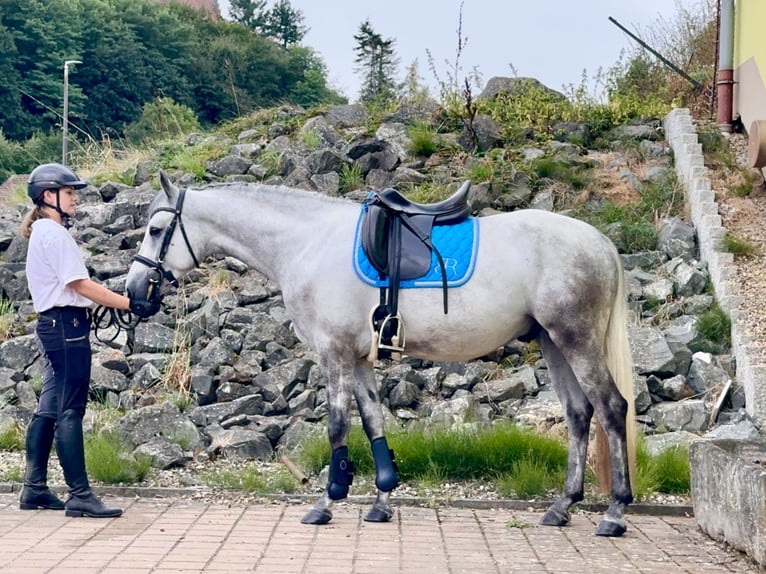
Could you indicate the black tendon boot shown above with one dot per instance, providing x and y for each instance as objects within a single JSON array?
[
  {"x": 36, "y": 493},
  {"x": 71, "y": 451}
]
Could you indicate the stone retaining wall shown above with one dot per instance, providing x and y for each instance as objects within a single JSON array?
[{"x": 691, "y": 171}]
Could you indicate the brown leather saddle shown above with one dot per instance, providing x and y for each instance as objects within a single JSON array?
[{"x": 396, "y": 237}]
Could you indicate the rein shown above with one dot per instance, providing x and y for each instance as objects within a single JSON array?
[
  {"x": 156, "y": 266},
  {"x": 104, "y": 318}
]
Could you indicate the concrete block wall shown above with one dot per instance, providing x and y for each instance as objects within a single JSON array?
[{"x": 690, "y": 168}]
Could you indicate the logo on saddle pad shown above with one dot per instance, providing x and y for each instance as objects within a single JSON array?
[{"x": 458, "y": 244}]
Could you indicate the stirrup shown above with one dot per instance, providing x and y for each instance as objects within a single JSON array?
[{"x": 396, "y": 348}]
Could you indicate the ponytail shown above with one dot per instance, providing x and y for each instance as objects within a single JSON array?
[{"x": 36, "y": 213}]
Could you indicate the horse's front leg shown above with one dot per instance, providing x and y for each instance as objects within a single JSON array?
[
  {"x": 339, "y": 388},
  {"x": 386, "y": 478}
]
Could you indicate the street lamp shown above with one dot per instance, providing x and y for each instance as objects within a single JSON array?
[{"x": 65, "y": 123}]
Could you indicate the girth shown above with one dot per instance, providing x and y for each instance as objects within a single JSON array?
[{"x": 396, "y": 237}]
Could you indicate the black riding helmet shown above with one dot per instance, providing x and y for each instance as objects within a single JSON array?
[{"x": 51, "y": 176}]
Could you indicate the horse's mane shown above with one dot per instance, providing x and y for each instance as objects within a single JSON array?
[{"x": 273, "y": 193}]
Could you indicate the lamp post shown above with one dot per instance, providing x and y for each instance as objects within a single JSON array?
[{"x": 65, "y": 124}]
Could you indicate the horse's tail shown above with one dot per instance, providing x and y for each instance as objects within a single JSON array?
[{"x": 619, "y": 360}]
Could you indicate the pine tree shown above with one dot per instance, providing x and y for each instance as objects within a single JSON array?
[
  {"x": 377, "y": 62},
  {"x": 284, "y": 24},
  {"x": 249, "y": 13}
]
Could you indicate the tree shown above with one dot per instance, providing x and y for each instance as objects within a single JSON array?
[
  {"x": 250, "y": 13},
  {"x": 377, "y": 62},
  {"x": 285, "y": 24}
]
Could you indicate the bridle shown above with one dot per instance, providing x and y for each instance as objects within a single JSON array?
[{"x": 156, "y": 266}]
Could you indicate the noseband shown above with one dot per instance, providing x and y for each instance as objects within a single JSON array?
[{"x": 157, "y": 265}]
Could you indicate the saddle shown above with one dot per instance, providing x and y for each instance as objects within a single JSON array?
[{"x": 396, "y": 237}]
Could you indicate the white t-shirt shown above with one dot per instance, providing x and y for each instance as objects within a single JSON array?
[{"x": 53, "y": 262}]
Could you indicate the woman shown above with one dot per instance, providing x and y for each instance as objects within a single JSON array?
[{"x": 61, "y": 293}]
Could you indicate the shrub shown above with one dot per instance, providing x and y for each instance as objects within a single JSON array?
[{"x": 161, "y": 119}]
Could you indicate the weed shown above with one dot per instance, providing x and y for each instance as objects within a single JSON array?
[
  {"x": 667, "y": 472},
  {"x": 12, "y": 437},
  {"x": 176, "y": 371},
  {"x": 737, "y": 246},
  {"x": 312, "y": 139},
  {"x": 529, "y": 478},
  {"x": 351, "y": 177},
  {"x": 271, "y": 161},
  {"x": 109, "y": 460},
  {"x": 427, "y": 193},
  {"x": 515, "y": 523},
  {"x": 250, "y": 478},
  {"x": 715, "y": 326},
  {"x": 12, "y": 474},
  {"x": 7, "y": 319},
  {"x": 481, "y": 170},
  {"x": 424, "y": 140}
]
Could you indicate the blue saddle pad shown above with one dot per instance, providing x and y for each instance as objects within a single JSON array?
[{"x": 458, "y": 245}]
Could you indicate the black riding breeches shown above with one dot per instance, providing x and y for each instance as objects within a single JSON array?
[{"x": 64, "y": 334}]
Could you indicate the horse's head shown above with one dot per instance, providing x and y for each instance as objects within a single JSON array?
[{"x": 166, "y": 250}]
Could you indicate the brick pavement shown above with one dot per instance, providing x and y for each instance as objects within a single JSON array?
[{"x": 161, "y": 536}]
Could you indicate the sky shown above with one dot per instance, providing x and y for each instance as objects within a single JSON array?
[{"x": 554, "y": 41}]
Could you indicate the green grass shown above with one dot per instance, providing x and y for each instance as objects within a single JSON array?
[
  {"x": 715, "y": 325},
  {"x": 12, "y": 438},
  {"x": 637, "y": 231},
  {"x": 109, "y": 460},
  {"x": 436, "y": 454},
  {"x": 668, "y": 472},
  {"x": 251, "y": 479},
  {"x": 351, "y": 177},
  {"x": 522, "y": 463},
  {"x": 737, "y": 246},
  {"x": 424, "y": 140},
  {"x": 12, "y": 474},
  {"x": 7, "y": 318}
]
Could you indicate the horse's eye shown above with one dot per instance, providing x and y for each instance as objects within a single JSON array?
[{"x": 155, "y": 231}]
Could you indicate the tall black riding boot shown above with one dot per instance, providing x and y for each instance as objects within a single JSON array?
[
  {"x": 69, "y": 445},
  {"x": 36, "y": 493}
]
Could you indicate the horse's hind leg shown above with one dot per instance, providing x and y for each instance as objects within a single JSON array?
[
  {"x": 340, "y": 382},
  {"x": 588, "y": 364},
  {"x": 386, "y": 478},
  {"x": 578, "y": 413}
]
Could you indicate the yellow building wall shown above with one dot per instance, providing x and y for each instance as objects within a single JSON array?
[{"x": 749, "y": 61}]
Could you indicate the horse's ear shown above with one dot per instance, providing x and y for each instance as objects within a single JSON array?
[{"x": 170, "y": 190}]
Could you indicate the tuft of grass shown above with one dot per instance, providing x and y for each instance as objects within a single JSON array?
[
  {"x": 529, "y": 478},
  {"x": 251, "y": 479},
  {"x": 12, "y": 438},
  {"x": 351, "y": 177},
  {"x": 311, "y": 139},
  {"x": 715, "y": 325},
  {"x": 271, "y": 161},
  {"x": 667, "y": 472},
  {"x": 424, "y": 140},
  {"x": 738, "y": 246},
  {"x": 176, "y": 370},
  {"x": 7, "y": 318},
  {"x": 12, "y": 474},
  {"x": 109, "y": 460},
  {"x": 480, "y": 171}
]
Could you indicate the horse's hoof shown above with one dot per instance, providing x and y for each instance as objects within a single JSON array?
[
  {"x": 554, "y": 518},
  {"x": 315, "y": 516},
  {"x": 610, "y": 528},
  {"x": 379, "y": 514}
]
